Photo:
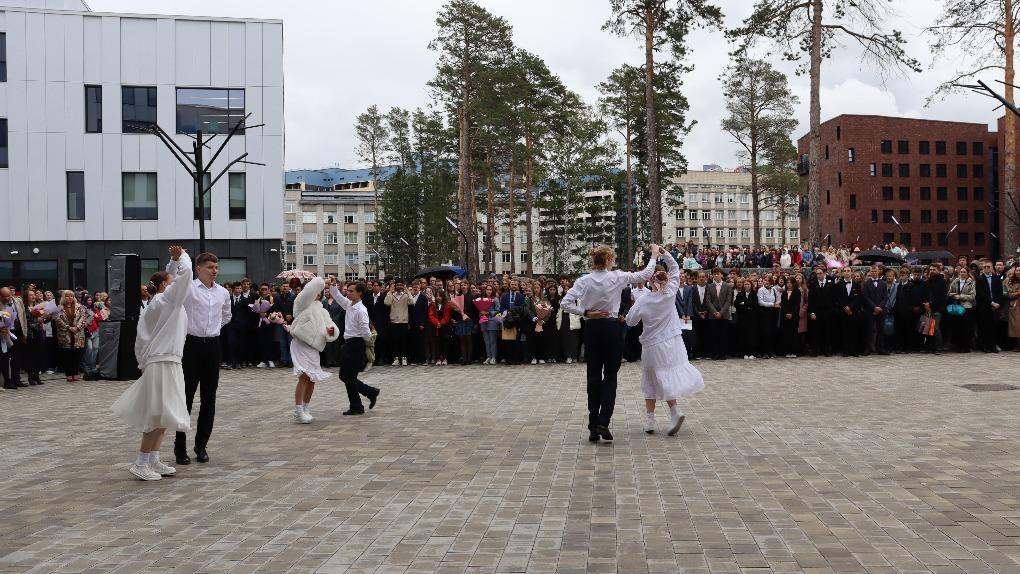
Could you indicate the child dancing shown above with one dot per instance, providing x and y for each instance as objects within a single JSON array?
[{"x": 311, "y": 329}]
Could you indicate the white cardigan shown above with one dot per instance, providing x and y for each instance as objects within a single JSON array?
[
  {"x": 163, "y": 324},
  {"x": 311, "y": 319}
]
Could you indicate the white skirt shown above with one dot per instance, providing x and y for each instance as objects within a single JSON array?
[
  {"x": 306, "y": 360},
  {"x": 666, "y": 374},
  {"x": 156, "y": 400}
]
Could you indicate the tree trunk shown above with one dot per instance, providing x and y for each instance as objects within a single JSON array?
[
  {"x": 1010, "y": 232},
  {"x": 529, "y": 175},
  {"x": 512, "y": 215},
  {"x": 815, "y": 145},
  {"x": 629, "y": 252},
  {"x": 490, "y": 222},
  {"x": 465, "y": 198},
  {"x": 654, "y": 193},
  {"x": 375, "y": 181},
  {"x": 755, "y": 195}
]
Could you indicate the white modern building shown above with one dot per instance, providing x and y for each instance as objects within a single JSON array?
[{"x": 78, "y": 180}]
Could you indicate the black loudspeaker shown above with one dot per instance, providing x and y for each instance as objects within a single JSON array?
[
  {"x": 116, "y": 356},
  {"x": 125, "y": 287}
]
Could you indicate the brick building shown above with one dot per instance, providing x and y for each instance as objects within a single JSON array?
[{"x": 911, "y": 181}]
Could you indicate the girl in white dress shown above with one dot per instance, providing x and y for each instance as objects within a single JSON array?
[
  {"x": 666, "y": 374},
  {"x": 155, "y": 402},
  {"x": 311, "y": 330}
]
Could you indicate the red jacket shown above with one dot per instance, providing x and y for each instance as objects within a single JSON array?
[{"x": 439, "y": 319}]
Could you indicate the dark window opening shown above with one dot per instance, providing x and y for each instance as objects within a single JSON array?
[
  {"x": 978, "y": 148},
  {"x": 962, "y": 216},
  {"x": 961, "y": 170},
  {"x": 76, "y": 196},
  {"x": 961, "y": 193},
  {"x": 941, "y": 170},
  {"x": 941, "y": 193},
  {"x": 904, "y": 169},
  {"x": 926, "y": 194},
  {"x": 979, "y": 216},
  {"x": 905, "y": 193},
  {"x": 874, "y": 216},
  {"x": 886, "y": 146},
  {"x": 904, "y": 239},
  {"x": 887, "y": 216},
  {"x": 942, "y": 216},
  {"x": 925, "y": 216},
  {"x": 924, "y": 148},
  {"x": 887, "y": 194},
  {"x": 925, "y": 169},
  {"x": 977, "y": 170},
  {"x": 961, "y": 148},
  {"x": 93, "y": 109},
  {"x": 212, "y": 110},
  {"x": 903, "y": 147},
  {"x": 853, "y": 201},
  {"x": 979, "y": 193},
  {"x": 138, "y": 108},
  {"x": 940, "y": 148},
  {"x": 904, "y": 216},
  {"x": 886, "y": 170},
  {"x": 926, "y": 239}
]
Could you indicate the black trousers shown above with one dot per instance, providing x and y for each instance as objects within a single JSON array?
[
  {"x": 398, "y": 340},
  {"x": 986, "y": 328},
  {"x": 352, "y": 361},
  {"x": 768, "y": 325},
  {"x": 418, "y": 344},
  {"x": 702, "y": 339},
  {"x": 201, "y": 366},
  {"x": 603, "y": 350},
  {"x": 717, "y": 330},
  {"x": 820, "y": 333},
  {"x": 267, "y": 342}
]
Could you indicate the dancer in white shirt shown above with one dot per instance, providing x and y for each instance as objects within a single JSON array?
[
  {"x": 596, "y": 297},
  {"x": 666, "y": 374},
  {"x": 311, "y": 329},
  {"x": 357, "y": 330},
  {"x": 208, "y": 306},
  {"x": 155, "y": 402}
]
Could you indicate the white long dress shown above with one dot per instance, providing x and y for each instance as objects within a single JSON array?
[
  {"x": 156, "y": 400},
  {"x": 666, "y": 374},
  {"x": 311, "y": 321}
]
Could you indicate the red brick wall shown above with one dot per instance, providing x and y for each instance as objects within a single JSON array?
[{"x": 864, "y": 134}]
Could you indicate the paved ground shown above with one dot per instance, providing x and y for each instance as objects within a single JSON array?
[{"x": 877, "y": 464}]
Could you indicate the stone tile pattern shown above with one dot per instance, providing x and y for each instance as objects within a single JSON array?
[{"x": 881, "y": 464}]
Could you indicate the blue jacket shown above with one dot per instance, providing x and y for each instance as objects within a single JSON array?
[{"x": 685, "y": 301}]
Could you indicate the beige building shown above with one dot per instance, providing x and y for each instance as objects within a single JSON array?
[
  {"x": 329, "y": 223},
  {"x": 716, "y": 210}
]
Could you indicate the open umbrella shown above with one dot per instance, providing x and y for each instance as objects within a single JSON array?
[
  {"x": 299, "y": 273},
  {"x": 444, "y": 273},
  {"x": 879, "y": 255},
  {"x": 930, "y": 256}
]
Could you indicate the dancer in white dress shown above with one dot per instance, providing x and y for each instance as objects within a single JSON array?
[
  {"x": 311, "y": 329},
  {"x": 155, "y": 402},
  {"x": 666, "y": 374}
]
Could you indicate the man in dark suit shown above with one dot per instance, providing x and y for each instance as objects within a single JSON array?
[
  {"x": 907, "y": 311},
  {"x": 418, "y": 322},
  {"x": 847, "y": 298},
  {"x": 235, "y": 331},
  {"x": 988, "y": 301},
  {"x": 699, "y": 295},
  {"x": 250, "y": 337},
  {"x": 685, "y": 309},
  {"x": 820, "y": 313},
  {"x": 719, "y": 305},
  {"x": 874, "y": 295},
  {"x": 379, "y": 314}
]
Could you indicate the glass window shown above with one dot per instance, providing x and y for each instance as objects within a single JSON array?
[
  {"x": 679, "y": 214},
  {"x": 961, "y": 193},
  {"x": 78, "y": 272},
  {"x": 507, "y": 256},
  {"x": 706, "y": 215},
  {"x": 238, "y": 195},
  {"x": 524, "y": 256},
  {"x": 745, "y": 198},
  {"x": 138, "y": 108},
  {"x": 3, "y": 142},
  {"x": 871, "y": 169},
  {"x": 330, "y": 258},
  {"x": 887, "y": 216},
  {"x": 886, "y": 170},
  {"x": 941, "y": 194},
  {"x": 961, "y": 170},
  {"x": 350, "y": 218},
  {"x": 979, "y": 238},
  {"x": 206, "y": 198},
  {"x": 924, "y": 148},
  {"x": 745, "y": 233},
  {"x": 925, "y": 239},
  {"x": 904, "y": 169},
  {"x": 139, "y": 196},
  {"x": 290, "y": 207},
  {"x": 93, "y": 109},
  {"x": 977, "y": 170},
  {"x": 3, "y": 57},
  {"x": 331, "y": 238},
  {"x": 693, "y": 214},
  {"x": 329, "y": 217},
  {"x": 887, "y": 194},
  {"x": 904, "y": 216},
  {"x": 943, "y": 238},
  {"x": 76, "y": 196},
  {"x": 941, "y": 170},
  {"x": 940, "y": 148},
  {"x": 308, "y": 259},
  {"x": 962, "y": 216},
  {"x": 232, "y": 269},
  {"x": 925, "y": 169},
  {"x": 925, "y": 194},
  {"x": 853, "y": 201},
  {"x": 369, "y": 217},
  {"x": 212, "y": 110},
  {"x": 370, "y": 237},
  {"x": 979, "y": 216},
  {"x": 925, "y": 216},
  {"x": 979, "y": 193},
  {"x": 905, "y": 193},
  {"x": 942, "y": 216},
  {"x": 351, "y": 237},
  {"x": 886, "y": 146},
  {"x": 904, "y": 238},
  {"x": 978, "y": 148},
  {"x": 902, "y": 147},
  {"x": 850, "y": 155},
  {"x": 961, "y": 148},
  {"x": 291, "y": 247},
  {"x": 308, "y": 217},
  {"x": 888, "y": 237},
  {"x": 309, "y": 238}
]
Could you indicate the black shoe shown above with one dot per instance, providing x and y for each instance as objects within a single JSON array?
[
  {"x": 182, "y": 458},
  {"x": 201, "y": 455},
  {"x": 11, "y": 387},
  {"x": 593, "y": 436},
  {"x": 352, "y": 412},
  {"x": 21, "y": 384},
  {"x": 372, "y": 399},
  {"x": 604, "y": 432}
]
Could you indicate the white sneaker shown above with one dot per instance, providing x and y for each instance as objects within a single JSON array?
[
  {"x": 396, "y": 363},
  {"x": 301, "y": 417},
  {"x": 49, "y": 371},
  {"x": 570, "y": 361},
  {"x": 541, "y": 362},
  {"x": 534, "y": 362},
  {"x": 162, "y": 468},
  {"x": 272, "y": 365},
  {"x": 649, "y": 426},
  {"x": 143, "y": 472},
  {"x": 676, "y": 422},
  {"x": 751, "y": 357},
  {"x": 261, "y": 365},
  {"x": 403, "y": 361},
  {"x": 308, "y": 412}
]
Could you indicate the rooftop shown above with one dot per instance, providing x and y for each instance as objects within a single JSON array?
[{"x": 331, "y": 176}]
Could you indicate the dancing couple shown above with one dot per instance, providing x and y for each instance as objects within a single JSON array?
[{"x": 666, "y": 373}]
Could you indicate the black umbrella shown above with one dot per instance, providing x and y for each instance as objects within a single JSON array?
[
  {"x": 879, "y": 255},
  {"x": 442, "y": 273},
  {"x": 930, "y": 256}
]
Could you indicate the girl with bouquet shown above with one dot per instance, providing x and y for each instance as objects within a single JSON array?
[
  {"x": 666, "y": 374},
  {"x": 538, "y": 311}
]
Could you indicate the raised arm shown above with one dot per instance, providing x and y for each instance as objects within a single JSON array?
[
  {"x": 177, "y": 292},
  {"x": 641, "y": 276},
  {"x": 339, "y": 297},
  {"x": 673, "y": 273}
]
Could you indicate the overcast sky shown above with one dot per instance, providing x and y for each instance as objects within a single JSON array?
[{"x": 340, "y": 56}]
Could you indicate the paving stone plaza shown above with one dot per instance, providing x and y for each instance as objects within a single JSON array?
[{"x": 880, "y": 464}]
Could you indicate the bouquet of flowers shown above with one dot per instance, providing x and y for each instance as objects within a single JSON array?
[
  {"x": 276, "y": 318},
  {"x": 542, "y": 312},
  {"x": 483, "y": 306},
  {"x": 48, "y": 309},
  {"x": 260, "y": 307},
  {"x": 6, "y": 329}
]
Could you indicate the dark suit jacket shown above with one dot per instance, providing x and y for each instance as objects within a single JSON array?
[
  {"x": 983, "y": 298},
  {"x": 518, "y": 301},
  {"x": 378, "y": 312},
  {"x": 699, "y": 305},
  {"x": 874, "y": 296},
  {"x": 746, "y": 305},
  {"x": 843, "y": 299},
  {"x": 418, "y": 314},
  {"x": 685, "y": 301},
  {"x": 820, "y": 298},
  {"x": 719, "y": 303}
]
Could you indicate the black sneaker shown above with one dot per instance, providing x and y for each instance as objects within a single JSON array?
[
  {"x": 182, "y": 458},
  {"x": 372, "y": 399},
  {"x": 593, "y": 436},
  {"x": 604, "y": 432},
  {"x": 352, "y": 412}
]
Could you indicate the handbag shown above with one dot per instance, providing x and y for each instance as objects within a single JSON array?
[
  {"x": 955, "y": 309},
  {"x": 888, "y": 325},
  {"x": 926, "y": 326}
]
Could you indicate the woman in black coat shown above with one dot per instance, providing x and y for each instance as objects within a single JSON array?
[
  {"x": 789, "y": 319},
  {"x": 746, "y": 304}
]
